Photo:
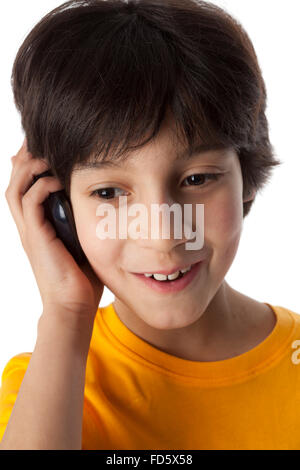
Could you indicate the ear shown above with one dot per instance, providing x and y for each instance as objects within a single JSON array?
[{"x": 250, "y": 195}]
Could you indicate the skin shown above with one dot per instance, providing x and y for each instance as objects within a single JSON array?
[{"x": 208, "y": 321}]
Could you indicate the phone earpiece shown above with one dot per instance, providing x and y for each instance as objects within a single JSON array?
[{"x": 58, "y": 211}]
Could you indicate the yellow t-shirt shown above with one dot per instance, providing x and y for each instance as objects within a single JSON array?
[{"x": 138, "y": 397}]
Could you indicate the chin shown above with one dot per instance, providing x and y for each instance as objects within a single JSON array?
[{"x": 169, "y": 321}]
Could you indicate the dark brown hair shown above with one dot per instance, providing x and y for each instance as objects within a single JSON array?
[{"x": 94, "y": 78}]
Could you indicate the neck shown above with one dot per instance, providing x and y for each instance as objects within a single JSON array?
[{"x": 220, "y": 332}]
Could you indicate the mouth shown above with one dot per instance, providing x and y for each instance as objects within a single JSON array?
[{"x": 163, "y": 285}]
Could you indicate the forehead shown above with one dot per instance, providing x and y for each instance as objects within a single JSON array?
[{"x": 182, "y": 155}]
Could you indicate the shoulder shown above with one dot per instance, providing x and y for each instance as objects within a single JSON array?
[
  {"x": 11, "y": 381},
  {"x": 287, "y": 313},
  {"x": 295, "y": 315},
  {"x": 17, "y": 365}
]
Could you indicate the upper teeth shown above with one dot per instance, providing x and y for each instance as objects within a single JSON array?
[{"x": 171, "y": 277}]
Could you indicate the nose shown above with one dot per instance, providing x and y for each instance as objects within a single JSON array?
[{"x": 162, "y": 226}]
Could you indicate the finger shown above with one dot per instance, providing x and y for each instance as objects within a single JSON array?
[
  {"x": 32, "y": 202},
  {"x": 22, "y": 174},
  {"x": 20, "y": 181},
  {"x": 22, "y": 156},
  {"x": 23, "y": 152}
]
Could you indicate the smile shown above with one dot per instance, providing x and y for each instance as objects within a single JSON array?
[
  {"x": 163, "y": 284},
  {"x": 170, "y": 277}
]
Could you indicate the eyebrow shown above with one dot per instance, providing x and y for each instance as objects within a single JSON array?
[{"x": 184, "y": 155}]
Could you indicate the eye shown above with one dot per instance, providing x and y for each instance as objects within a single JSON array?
[
  {"x": 109, "y": 193},
  {"x": 199, "y": 177},
  {"x": 106, "y": 193}
]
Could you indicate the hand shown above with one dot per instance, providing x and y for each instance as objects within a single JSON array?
[{"x": 65, "y": 288}]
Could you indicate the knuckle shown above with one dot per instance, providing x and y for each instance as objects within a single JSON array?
[
  {"x": 41, "y": 162},
  {"x": 8, "y": 194},
  {"x": 42, "y": 181},
  {"x": 23, "y": 157},
  {"x": 35, "y": 187},
  {"x": 36, "y": 165},
  {"x": 27, "y": 198},
  {"x": 39, "y": 167}
]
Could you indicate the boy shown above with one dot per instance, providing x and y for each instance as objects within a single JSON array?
[{"x": 164, "y": 102}]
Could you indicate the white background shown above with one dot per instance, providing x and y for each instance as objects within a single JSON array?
[{"x": 266, "y": 265}]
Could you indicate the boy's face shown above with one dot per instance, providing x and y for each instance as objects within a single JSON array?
[{"x": 151, "y": 175}]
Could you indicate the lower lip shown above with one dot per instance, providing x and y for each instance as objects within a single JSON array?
[{"x": 171, "y": 286}]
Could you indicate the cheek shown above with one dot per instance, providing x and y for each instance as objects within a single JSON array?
[
  {"x": 100, "y": 253},
  {"x": 224, "y": 219},
  {"x": 103, "y": 255}
]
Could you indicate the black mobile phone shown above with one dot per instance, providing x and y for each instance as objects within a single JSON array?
[{"x": 58, "y": 210}]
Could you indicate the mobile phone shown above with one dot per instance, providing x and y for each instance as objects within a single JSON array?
[{"x": 58, "y": 210}]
